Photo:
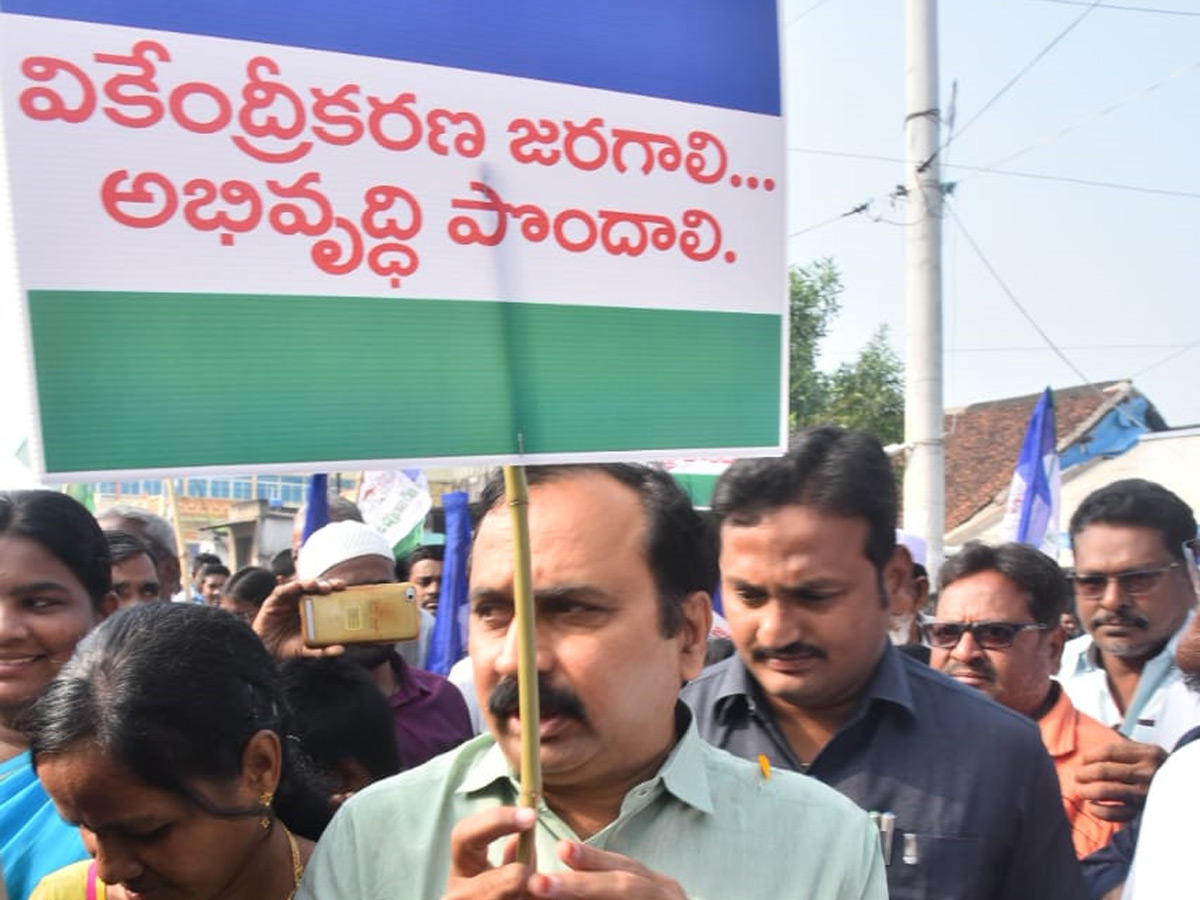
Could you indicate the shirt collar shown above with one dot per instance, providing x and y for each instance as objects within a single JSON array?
[
  {"x": 1058, "y": 725},
  {"x": 683, "y": 774}
]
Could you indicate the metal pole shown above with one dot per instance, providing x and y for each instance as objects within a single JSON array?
[{"x": 924, "y": 477}]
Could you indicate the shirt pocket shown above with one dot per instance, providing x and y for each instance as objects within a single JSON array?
[{"x": 927, "y": 866}]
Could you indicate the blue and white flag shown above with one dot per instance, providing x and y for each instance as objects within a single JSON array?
[
  {"x": 1031, "y": 515},
  {"x": 449, "y": 642}
]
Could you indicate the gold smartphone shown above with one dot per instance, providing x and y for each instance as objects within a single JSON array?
[{"x": 364, "y": 614}]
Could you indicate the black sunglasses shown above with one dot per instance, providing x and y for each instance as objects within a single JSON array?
[
  {"x": 988, "y": 635},
  {"x": 1133, "y": 584}
]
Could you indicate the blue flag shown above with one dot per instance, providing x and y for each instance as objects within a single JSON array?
[
  {"x": 1031, "y": 515},
  {"x": 449, "y": 642},
  {"x": 316, "y": 510}
]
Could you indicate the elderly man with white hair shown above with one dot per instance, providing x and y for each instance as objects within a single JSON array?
[{"x": 428, "y": 711}]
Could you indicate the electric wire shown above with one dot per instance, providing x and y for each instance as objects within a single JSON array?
[
  {"x": 1087, "y": 120},
  {"x": 987, "y": 264},
  {"x": 1012, "y": 81},
  {"x": 801, "y": 15},
  {"x": 1011, "y": 173},
  {"x": 1186, "y": 348},
  {"x": 1123, "y": 8},
  {"x": 1055, "y": 348}
]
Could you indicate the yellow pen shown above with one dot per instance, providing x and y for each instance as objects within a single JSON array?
[{"x": 765, "y": 765}]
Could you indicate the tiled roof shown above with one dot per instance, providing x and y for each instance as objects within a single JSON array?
[{"x": 983, "y": 440}]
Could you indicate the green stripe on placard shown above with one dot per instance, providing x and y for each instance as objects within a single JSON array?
[{"x": 167, "y": 380}]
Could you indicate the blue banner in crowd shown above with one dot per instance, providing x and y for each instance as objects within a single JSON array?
[
  {"x": 449, "y": 642},
  {"x": 316, "y": 509}
]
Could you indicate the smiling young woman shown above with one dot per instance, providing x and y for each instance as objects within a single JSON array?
[
  {"x": 165, "y": 741},
  {"x": 55, "y": 580}
]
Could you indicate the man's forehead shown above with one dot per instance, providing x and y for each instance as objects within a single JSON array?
[
  {"x": 1103, "y": 542},
  {"x": 369, "y": 569},
  {"x": 142, "y": 561},
  {"x": 986, "y": 594},
  {"x": 586, "y": 517}
]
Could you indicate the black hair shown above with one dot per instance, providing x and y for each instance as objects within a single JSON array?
[
  {"x": 283, "y": 563},
  {"x": 123, "y": 546},
  {"x": 66, "y": 529},
  {"x": 834, "y": 470},
  {"x": 174, "y": 692},
  {"x": 203, "y": 559},
  {"x": 250, "y": 584},
  {"x": 1032, "y": 571},
  {"x": 425, "y": 551},
  {"x": 217, "y": 568},
  {"x": 340, "y": 713},
  {"x": 681, "y": 548},
  {"x": 1138, "y": 503}
]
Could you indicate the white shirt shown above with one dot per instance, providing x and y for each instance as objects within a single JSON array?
[
  {"x": 1164, "y": 864},
  {"x": 1180, "y": 714},
  {"x": 1086, "y": 683},
  {"x": 462, "y": 676}
]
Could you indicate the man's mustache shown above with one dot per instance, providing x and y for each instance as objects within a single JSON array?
[
  {"x": 980, "y": 667},
  {"x": 504, "y": 701},
  {"x": 1130, "y": 617},
  {"x": 788, "y": 651}
]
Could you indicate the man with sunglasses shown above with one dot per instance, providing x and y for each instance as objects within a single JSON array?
[
  {"x": 964, "y": 792},
  {"x": 1134, "y": 594},
  {"x": 997, "y": 629}
]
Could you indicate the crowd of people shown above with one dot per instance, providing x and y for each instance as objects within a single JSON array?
[{"x": 840, "y": 735}]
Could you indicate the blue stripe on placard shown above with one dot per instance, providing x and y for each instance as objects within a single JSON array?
[{"x": 715, "y": 52}]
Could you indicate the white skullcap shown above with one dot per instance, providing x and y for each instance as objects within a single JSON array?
[
  {"x": 336, "y": 543},
  {"x": 915, "y": 543}
]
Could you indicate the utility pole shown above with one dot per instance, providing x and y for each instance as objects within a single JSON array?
[{"x": 924, "y": 476}]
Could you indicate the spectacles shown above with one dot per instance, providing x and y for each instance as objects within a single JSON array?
[
  {"x": 988, "y": 635},
  {"x": 1133, "y": 584}
]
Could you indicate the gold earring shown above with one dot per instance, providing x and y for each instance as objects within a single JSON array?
[{"x": 265, "y": 802}]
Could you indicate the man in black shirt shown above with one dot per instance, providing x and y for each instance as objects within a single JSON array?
[{"x": 967, "y": 797}]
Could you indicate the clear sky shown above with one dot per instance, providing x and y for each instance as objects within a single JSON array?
[
  {"x": 1102, "y": 248},
  {"x": 1109, "y": 273}
]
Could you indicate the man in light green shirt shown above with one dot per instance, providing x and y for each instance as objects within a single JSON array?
[{"x": 634, "y": 805}]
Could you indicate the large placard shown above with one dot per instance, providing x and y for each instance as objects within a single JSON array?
[{"x": 255, "y": 238}]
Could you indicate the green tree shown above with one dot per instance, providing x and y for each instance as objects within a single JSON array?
[
  {"x": 869, "y": 393},
  {"x": 813, "y": 300}
]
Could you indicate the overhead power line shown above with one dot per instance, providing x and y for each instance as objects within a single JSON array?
[
  {"x": 1055, "y": 348},
  {"x": 1008, "y": 84},
  {"x": 801, "y": 15},
  {"x": 1098, "y": 114},
  {"x": 1123, "y": 8},
  {"x": 987, "y": 264},
  {"x": 1187, "y": 348},
  {"x": 1012, "y": 173}
]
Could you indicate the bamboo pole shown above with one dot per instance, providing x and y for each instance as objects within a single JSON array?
[
  {"x": 185, "y": 580},
  {"x": 527, "y": 676}
]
